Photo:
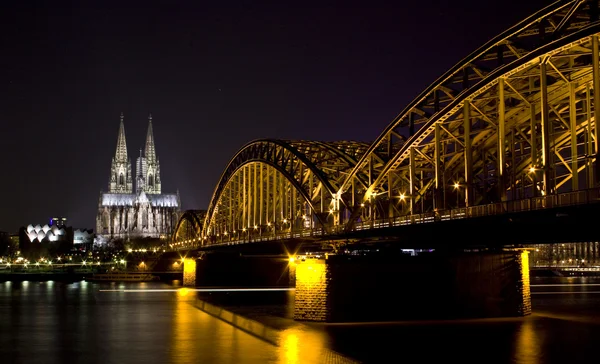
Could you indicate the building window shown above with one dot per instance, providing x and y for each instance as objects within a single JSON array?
[
  {"x": 150, "y": 180},
  {"x": 105, "y": 221},
  {"x": 121, "y": 179}
]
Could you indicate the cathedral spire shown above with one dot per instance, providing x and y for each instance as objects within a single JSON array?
[
  {"x": 150, "y": 151},
  {"x": 121, "y": 152},
  {"x": 149, "y": 165},
  {"x": 120, "y": 172}
]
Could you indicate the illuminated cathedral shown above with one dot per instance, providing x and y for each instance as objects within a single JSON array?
[{"x": 145, "y": 212}]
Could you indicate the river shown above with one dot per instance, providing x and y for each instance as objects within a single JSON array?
[{"x": 82, "y": 322}]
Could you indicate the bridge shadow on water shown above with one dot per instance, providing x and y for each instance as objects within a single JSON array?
[
  {"x": 268, "y": 316},
  {"x": 561, "y": 329}
]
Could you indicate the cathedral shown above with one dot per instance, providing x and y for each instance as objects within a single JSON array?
[{"x": 145, "y": 212}]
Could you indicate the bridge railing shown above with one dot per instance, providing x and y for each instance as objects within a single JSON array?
[{"x": 581, "y": 197}]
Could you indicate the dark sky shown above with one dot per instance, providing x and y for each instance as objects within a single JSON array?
[{"x": 214, "y": 75}]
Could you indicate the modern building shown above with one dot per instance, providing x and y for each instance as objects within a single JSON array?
[
  {"x": 38, "y": 233},
  {"x": 60, "y": 222},
  {"x": 57, "y": 233},
  {"x": 52, "y": 239},
  {"x": 147, "y": 212}
]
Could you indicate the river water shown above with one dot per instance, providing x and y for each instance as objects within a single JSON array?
[{"x": 82, "y": 322}]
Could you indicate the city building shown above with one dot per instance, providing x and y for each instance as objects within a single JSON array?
[
  {"x": 38, "y": 233},
  {"x": 5, "y": 243},
  {"x": 54, "y": 232},
  {"x": 52, "y": 239},
  {"x": 58, "y": 221},
  {"x": 144, "y": 212},
  {"x": 83, "y": 236}
]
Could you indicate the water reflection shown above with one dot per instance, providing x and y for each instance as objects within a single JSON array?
[
  {"x": 56, "y": 322},
  {"x": 183, "y": 348},
  {"x": 198, "y": 337},
  {"x": 290, "y": 348},
  {"x": 527, "y": 348},
  {"x": 303, "y": 344}
]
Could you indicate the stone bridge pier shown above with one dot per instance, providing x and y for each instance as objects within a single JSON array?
[
  {"x": 346, "y": 288},
  {"x": 433, "y": 286}
]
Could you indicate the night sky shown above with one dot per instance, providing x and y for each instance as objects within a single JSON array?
[{"x": 214, "y": 75}]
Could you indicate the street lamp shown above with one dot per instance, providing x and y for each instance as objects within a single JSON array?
[{"x": 457, "y": 189}]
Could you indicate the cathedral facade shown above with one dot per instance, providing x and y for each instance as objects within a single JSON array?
[{"x": 144, "y": 212}]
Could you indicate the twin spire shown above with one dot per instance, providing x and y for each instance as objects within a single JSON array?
[
  {"x": 147, "y": 166},
  {"x": 150, "y": 149}
]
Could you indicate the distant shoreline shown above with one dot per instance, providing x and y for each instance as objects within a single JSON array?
[
  {"x": 21, "y": 277},
  {"x": 68, "y": 277},
  {"x": 78, "y": 276}
]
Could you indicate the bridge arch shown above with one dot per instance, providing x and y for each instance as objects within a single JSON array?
[
  {"x": 188, "y": 230},
  {"x": 513, "y": 120},
  {"x": 276, "y": 186}
]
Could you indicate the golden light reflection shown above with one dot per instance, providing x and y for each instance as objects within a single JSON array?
[
  {"x": 527, "y": 344},
  {"x": 290, "y": 348},
  {"x": 200, "y": 337},
  {"x": 184, "y": 348},
  {"x": 183, "y": 292},
  {"x": 307, "y": 346}
]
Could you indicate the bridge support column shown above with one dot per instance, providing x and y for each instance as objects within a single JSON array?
[
  {"x": 189, "y": 272},
  {"x": 501, "y": 153},
  {"x": 546, "y": 128},
  {"x": 596, "y": 86},
  {"x": 468, "y": 156},
  {"x": 434, "y": 286},
  {"x": 439, "y": 202}
]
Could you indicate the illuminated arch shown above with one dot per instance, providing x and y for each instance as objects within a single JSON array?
[
  {"x": 269, "y": 183},
  {"x": 525, "y": 99},
  {"x": 189, "y": 226}
]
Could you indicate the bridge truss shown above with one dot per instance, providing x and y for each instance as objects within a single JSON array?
[
  {"x": 276, "y": 186},
  {"x": 513, "y": 120},
  {"x": 189, "y": 228},
  {"x": 511, "y": 126}
]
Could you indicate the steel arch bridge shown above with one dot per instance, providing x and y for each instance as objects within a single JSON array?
[
  {"x": 189, "y": 227},
  {"x": 277, "y": 186},
  {"x": 511, "y": 127}
]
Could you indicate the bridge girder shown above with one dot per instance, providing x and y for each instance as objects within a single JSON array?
[
  {"x": 515, "y": 119},
  {"x": 189, "y": 227},
  {"x": 529, "y": 90},
  {"x": 279, "y": 185}
]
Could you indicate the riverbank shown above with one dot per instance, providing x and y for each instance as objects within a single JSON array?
[
  {"x": 564, "y": 272},
  {"x": 65, "y": 276},
  {"x": 43, "y": 276}
]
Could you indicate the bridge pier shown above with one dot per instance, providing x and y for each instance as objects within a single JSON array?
[
  {"x": 433, "y": 286},
  {"x": 189, "y": 272}
]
